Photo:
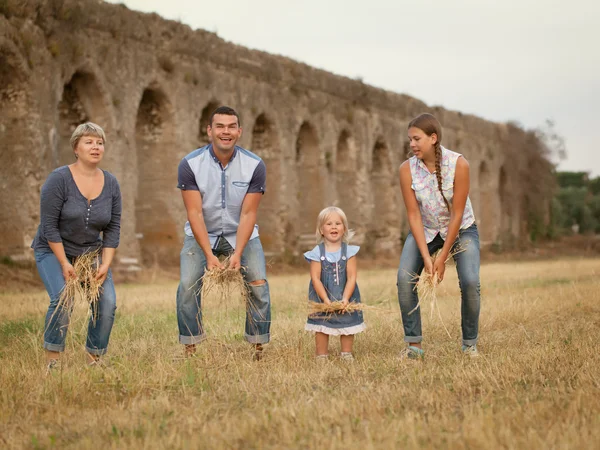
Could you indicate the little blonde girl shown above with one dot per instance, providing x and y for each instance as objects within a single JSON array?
[{"x": 332, "y": 279}]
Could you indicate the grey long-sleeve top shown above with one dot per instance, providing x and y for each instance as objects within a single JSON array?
[{"x": 67, "y": 217}]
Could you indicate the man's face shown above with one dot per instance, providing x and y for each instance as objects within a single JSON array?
[{"x": 224, "y": 132}]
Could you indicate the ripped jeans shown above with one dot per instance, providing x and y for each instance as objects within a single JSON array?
[{"x": 192, "y": 267}]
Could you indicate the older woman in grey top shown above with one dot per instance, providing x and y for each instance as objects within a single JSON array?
[{"x": 79, "y": 202}]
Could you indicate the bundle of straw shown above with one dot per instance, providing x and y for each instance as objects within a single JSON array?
[
  {"x": 84, "y": 284},
  {"x": 315, "y": 308},
  {"x": 426, "y": 285},
  {"x": 223, "y": 282},
  {"x": 227, "y": 282}
]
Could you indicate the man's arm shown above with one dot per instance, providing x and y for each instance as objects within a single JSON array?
[
  {"x": 193, "y": 206},
  {"x": 244, "y": 231},
  {"x": 192, "y": 199}
]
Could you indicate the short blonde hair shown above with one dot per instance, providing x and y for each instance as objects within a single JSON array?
[
  {"x": 86, "y": 129},
  {"x": 322, "y": 218}
]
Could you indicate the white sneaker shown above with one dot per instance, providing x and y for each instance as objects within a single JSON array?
[
  {"x": 471, "y": 351},
  {"x": 347, "y": 356},
  {"x": 53, "y": 366}
]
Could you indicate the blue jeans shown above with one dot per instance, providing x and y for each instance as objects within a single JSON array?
[
  {"x": 193, "y": 265},
  {"x": 57, "y": 317},
  {"x": 467, "y": 267}
]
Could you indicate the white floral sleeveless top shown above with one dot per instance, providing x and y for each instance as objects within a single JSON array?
[{"x": 434, "y": 213}]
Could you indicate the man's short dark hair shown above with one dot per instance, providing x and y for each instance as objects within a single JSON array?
[{"x": 227, "y": 111}]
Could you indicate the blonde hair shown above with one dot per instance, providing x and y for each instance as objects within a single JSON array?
[
  {"x": 322, "y": 218},
  {"x": 86, "y": 129}
]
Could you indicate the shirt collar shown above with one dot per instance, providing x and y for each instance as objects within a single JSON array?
[
  {"x": 444, "y": 162},
  {"x": 214, "y": 156}
]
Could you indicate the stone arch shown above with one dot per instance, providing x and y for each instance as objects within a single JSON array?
[
  {"x": 17, "y": 161},
  {"x": 156, "y": 228},
  {"x": 345, "y": 175},
  {"x": 486, "y": 205},
  {"x": 383, "y": 218},
  {"x": 81, "y": 102},
  {"x": 266, "y": 145},
  {"x": 203, "y": 138},
  {"x": 506, "y": 210},
  {"x": 311, "y": 173}
]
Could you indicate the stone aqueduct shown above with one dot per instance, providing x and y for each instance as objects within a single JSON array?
[{"x": 152, "y": 83}]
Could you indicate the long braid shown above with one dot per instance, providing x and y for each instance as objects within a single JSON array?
[{"x": 438, "y": 171}]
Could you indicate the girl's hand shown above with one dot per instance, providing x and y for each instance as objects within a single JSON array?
[
  {"x": 439, "y": 267},
  {"x": 101, "y": 273},
  {"x": 327, "y": 301},
  {"x": 345, "y": 302},
  {"x": 68, "y": 271},
  {"x": 428, "y": 265}
]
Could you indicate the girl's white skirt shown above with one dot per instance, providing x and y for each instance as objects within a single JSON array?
[{"x": 335, "y": 331}]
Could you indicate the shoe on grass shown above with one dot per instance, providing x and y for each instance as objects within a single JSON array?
[
  {"x": 53, "y": 366},
  {"x": 470, "y": 350},
  {"x": 98, "y": 362},
  {"x": 347, "y": 356},
  {"x": 412, "y": 352},
  {"x": 321, "y": 359},
  {"x": 258, "y": 352}
]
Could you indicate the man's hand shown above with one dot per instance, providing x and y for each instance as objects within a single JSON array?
[
  {"x": 101, "y": 273},
  {"x": 212, "y": 261},
  {"x": 235, "y": 261}
]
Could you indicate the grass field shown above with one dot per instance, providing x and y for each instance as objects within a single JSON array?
[{"x": 537, "y": 384}]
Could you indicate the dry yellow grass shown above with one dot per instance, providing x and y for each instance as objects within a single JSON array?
[
  {"x": 315, "y": 308},
  {"x": 536, "y": 385}
]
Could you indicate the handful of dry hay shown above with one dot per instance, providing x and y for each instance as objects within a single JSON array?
[
  {"x": 426, "y": 285},
  {"x": 223, "y": 282},
  {"x": 85, "y": 284},
  {"x": 315, "y": 308}
]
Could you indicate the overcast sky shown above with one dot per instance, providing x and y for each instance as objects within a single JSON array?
[{"x": 521, "y": 60}]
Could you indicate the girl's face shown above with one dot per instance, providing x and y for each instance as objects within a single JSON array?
[
  {"x": 333, "y": 229},
  {"x": 420, "y": 144}
]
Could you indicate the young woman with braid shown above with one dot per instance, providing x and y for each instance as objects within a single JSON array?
[{"x": 435, "y": 188}]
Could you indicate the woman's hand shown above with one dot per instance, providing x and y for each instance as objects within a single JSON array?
[
  {"x": 345, "y": 302},
  {"x": 101, "y": 273},
  {"x": 68, "y": 271},
  {"x": 326, "y": 301},
  {"x": 439, "y": 267}
]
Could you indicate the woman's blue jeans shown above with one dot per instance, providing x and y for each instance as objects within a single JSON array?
[
  {"x": 57, "y": 317},
  {"x": 467, "y": 267}
]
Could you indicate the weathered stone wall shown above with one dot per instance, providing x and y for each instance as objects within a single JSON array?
[{"x": 152, "y": 83}]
